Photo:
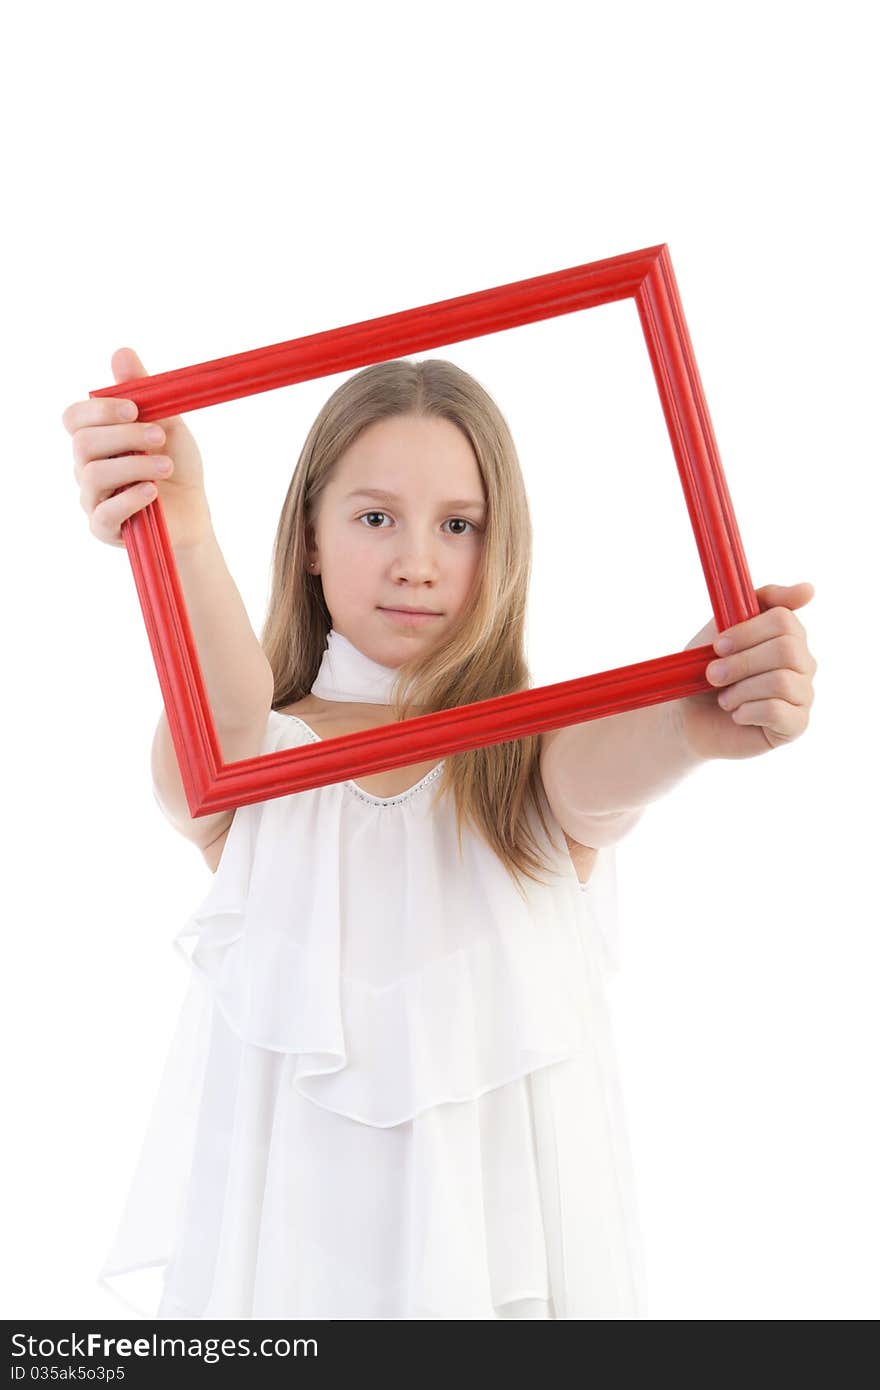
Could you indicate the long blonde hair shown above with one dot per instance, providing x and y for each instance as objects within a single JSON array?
[{"x": 494, "y": 786}]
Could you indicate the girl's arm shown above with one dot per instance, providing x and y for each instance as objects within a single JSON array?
[
  {"x": 600, "y": 775},
  {"x": 238, "y": 679}
]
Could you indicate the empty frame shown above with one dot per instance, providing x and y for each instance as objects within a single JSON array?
[{"x": 645, "y": 276}]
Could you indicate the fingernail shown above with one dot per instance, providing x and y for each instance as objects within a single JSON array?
[
  {"x": 716, "y": 670},
  {"x": 724, "y": 645}
]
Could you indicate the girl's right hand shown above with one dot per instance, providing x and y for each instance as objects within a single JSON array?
[{"x": 113, "y": 459}]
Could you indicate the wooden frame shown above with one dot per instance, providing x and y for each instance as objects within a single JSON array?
[{"x": 646, "y": 276}]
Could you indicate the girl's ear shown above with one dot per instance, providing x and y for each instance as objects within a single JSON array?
[{"x": 311, "y": 548}]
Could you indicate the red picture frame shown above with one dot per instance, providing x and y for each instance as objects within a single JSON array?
[{"x": 647, "y": 277}]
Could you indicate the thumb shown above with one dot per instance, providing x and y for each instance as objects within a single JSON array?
[
  {"x": 784, "y": 595},
  {"x": 127, "y": 365}
]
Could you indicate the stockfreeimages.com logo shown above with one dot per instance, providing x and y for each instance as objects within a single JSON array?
[{"x": 95, "y": 1346}]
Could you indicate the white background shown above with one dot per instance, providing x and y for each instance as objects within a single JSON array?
[{"x": 202, "y": 179}]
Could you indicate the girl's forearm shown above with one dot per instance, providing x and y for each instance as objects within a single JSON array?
[
  {"x": 237, "y": 675},
  {"x": 620, "y": 763},
  {"x": 236, "y": 670}
]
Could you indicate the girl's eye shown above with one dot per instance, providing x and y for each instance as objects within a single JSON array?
[{"x": 452, "y": 518}]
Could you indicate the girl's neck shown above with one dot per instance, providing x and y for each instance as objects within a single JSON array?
[{"x": 347, "y": 676}]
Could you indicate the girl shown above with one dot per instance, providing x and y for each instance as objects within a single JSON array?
[{"x": 392, "y": 1090}]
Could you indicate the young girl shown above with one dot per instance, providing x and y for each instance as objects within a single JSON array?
[{"x": 392, "y": 1092}]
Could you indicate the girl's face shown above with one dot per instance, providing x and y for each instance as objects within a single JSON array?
[{"x": 416, "y": 546}]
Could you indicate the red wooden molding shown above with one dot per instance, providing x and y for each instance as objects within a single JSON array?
[{"x": 645, "y": 276}]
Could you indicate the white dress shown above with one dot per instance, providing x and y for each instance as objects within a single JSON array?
[{"x": 392, "y": 1091}]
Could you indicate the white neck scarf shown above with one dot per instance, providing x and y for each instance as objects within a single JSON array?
[{"x": 347, "y": 674}]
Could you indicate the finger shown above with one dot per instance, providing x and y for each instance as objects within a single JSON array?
[
  {"x": 758, "y": 629},
  {"x": 776, "y": 717},
  {"x": 791, "y": 686},
  {"x": 126, "y": 365},
  {"x": 788, "y": 595},
  {"x": 111, "y": 441},
  {"x": 106, "y": 476},
  {"x": 106, "y": 410},
  {"x": 787, "y": 651},
  {"x": 99, "y": 410},
  {"x": 109, "y": 515}
]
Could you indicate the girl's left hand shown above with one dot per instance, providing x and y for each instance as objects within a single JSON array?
[{"x": 766, "y": 686}]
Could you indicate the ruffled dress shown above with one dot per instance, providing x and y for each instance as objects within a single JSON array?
[{"x": 392, "y": 1091}]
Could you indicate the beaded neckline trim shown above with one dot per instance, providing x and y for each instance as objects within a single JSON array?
[{"x": 359, "y": 791}]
